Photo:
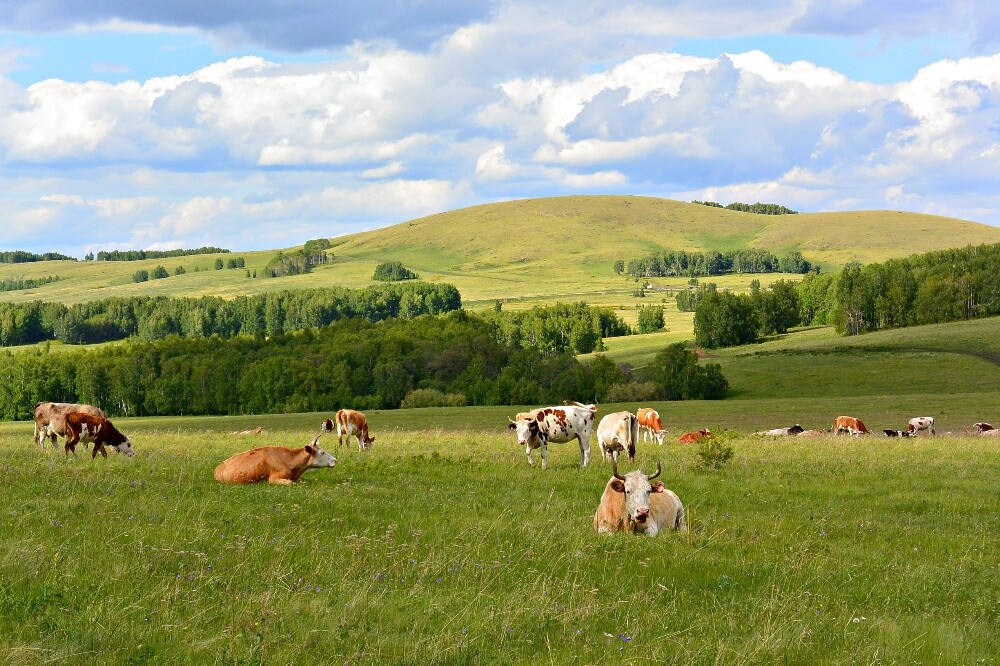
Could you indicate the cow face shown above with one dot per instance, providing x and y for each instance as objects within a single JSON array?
[
  {"x": 367, "y": 441},
  {"x": 320, "y": 457},
  {"x": 527, "y": 430},
  {"x": 795, "y": 429},
  {"x": 637, "y": 487},
  {"x": 983, "y": 427},
  {"x": 125, "y": 447},
  {"x": 327, "y": 426}
]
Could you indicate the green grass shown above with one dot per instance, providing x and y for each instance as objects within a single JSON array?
[{"x": 441, "y": 545}]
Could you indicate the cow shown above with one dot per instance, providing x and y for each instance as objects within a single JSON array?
[
  {"x": 350, "y": 423},
  {"x": 983, "y": 427},
  {"x": 255, "y": 431},
  {"x": 84, "y": 427},
  {"x": 920, "y": 424},
  {"x": 277, "y": 464},
  {"x": 650, "y": 424},
  {"x": 631, "y": 503},
  {"x": 50, "y": 419},
  {"x": 781, "y": 432},
  {"x": 897, "y": 433},
  {"x": 813, "y": 433},
  {"x": 990, "y": 432},
  {"x": 696, "y": 436},
  {"x": 558, "y": 425},
  {"x": 849, "y": 424},
  {"x": 618, "y": 432}
]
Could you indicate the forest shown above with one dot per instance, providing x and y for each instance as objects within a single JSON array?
[
  {"x": 680, "y": 263},
  {"x": 139, "y": 255},
  {"x": 453, "y": 358},
  {"x": 22, "y": 257}
]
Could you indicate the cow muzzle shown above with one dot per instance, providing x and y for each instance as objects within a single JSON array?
[{"x": 641, "y": 515}]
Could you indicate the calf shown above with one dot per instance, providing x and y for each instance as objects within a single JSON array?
[
  {"x": 555, "y": 424},
  {"x": 631, "y": 503},
  {"x": 50, "y": 419},
  {"x": 351, "y": 423},
  {"x": 849, "y": 424},
  {"x": 618, "y": 432},
  {"x": 696, "y": 436},
  {"x": 921, "y": 424},
  {"x": 276, "y": 464},
  {"x": 650, "y": 424},
  {"x": 83, "y": 427}
]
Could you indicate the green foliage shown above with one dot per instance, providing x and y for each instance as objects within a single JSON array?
[
  {"x": 22, "y": 257},
  {"x": 292, "y": 263},
  {"x": 673, "y": 263},
  {"x": 714, "y": 453},
  {"x": 219, "y": 264},
  {"x": 778, "y": 307},
  {"x": 18, "y": 284},
  {"x": 557, "y": 328},
  {"x": 688, "y": 300},
  {"x": 179, "y": 270},
  {"x": 757, "y": 208},
  {"x": 138, "y": 255},
  {"x": 430, "y": 397},
  {"x": 159, "y": 273},
  {"x": 393, "y": 271},
  {"x": 650, "y": 318},
  {"x": 724, "y": 319},
  {"x": 817, "y": 299},
  {"x": 140, "y": 276},
  {"x": 678, "y": 376},
  {"x": 619, "y": 267}
]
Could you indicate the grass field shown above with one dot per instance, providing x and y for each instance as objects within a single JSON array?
[{"x": 441, "y": 545}]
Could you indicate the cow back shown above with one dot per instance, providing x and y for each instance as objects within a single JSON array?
[{"x": 260, "y": 463}]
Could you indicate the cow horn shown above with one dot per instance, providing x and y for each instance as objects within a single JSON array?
[
  {"x": 614, "y": 467},
  {"x": 659, "y": 468}
]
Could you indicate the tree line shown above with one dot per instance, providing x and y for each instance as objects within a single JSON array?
[
  {"x": 350, "y": 363},
  {"x": 758, "y": 208},
  {"x": 20, "y": 283},
  {"x": 139, "y": 255},
  {"x": 558, "y": 328},
  {"x": 156, "y": 317},
  {"x": 22, "y": 257},
  {"x": 675, "y": 263}
]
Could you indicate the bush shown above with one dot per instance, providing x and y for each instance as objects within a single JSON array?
[
  {"x": 433, "y": 398},
  {"x": 218, "y": 264},
  {"x": 650, "y": 318},
  {"x": 393, "y": 271},
  {"x": 179, "y": 270},
  {"x": 714, "y": 453},
  {"x": 632, "y": 392},
  {"x": 159, "y": 273},
  {"x": 140, "y": 276}
]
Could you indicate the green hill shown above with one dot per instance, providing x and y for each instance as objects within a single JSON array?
[{"x": 532, "y": 251}]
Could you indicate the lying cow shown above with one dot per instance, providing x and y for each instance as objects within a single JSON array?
[
  {"x": 558, "y": 425},
  {"x": 781, "y": 432},
  {"x": 696, "y": 436},
  {"x": 276, "y": 464},
  {"x": 983, "y": 427},
  {"x": 850, "y": 425},
  {"x": 989, "y": 431},
  {"x": 255, "y": 431},
  {"x": 618, "y": 432},
  {"x": 897, "y": 433},
  {"x": 350, "y": 423},
  {"x": 631, "y": 503},
  {"x": 50, "y": 419},
  {"x": 650, "y": 424},
  {"x": 83, "y": 427},
  {"x": 813, "y": 433},
  {"x": 921, "y": 424}
]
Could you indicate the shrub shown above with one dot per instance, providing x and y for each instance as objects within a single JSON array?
[
  {"x": 714, "y": 453},
  {"x": 632, "y": 392},
  {"x": 179, "y": 270},
  {"x": 433, "y": 398},
  {"x": 650, "y": 318},
  {"x": 393, "y": 271},
  {"x": 159, "y": 273},
  {"x": 218, "y": 264},
  {"x": 140, "y": 276}
]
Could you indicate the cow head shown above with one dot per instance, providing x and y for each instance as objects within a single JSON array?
[
  {"x": 527, "y": 430},
  {"x": 327, "y": 426},
  {"x": 795, "y": 429},
  {"x": 983, "y": 427},
  {"x": 320, "y": 458},
  {"x": 636, "y": 486},
  {"x": 125, "y": 447}
]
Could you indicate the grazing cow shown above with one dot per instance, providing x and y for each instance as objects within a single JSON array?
[
  {"x": 920, "y": 424},
  {"x": 813, "y": 433},
  {"x": 696, "y": 436},
  {"x": 350, "y": 423},
  {"x": 983, "y": 427},
  {"x": 631, "y": 503},
  {"x": 558, "y": 425},
  {"x": 781, "y": 432},
  {"x": 650, "y": 424},
  {"x": 84, "y": 427},
  {"x": 276, "y": 464},
  {"x": 849, "y": 424},
  {"x": 50, "y": 419},
  {"x": 897, "y": 433},
  {"x": 618, "y": 432}
]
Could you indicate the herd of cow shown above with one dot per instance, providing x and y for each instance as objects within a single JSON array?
[{"x": 630, "y": 503}]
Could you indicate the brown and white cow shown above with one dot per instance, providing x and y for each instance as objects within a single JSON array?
[
  {"x": 50, "y": 419},
  {"x": 696, "y": 436},
  {"x": 849, "y": 424},
  {"x": 919, "y": 424},
  {"x": 558, "y": 425},
  {"x": 983, "y": 427},
  {"x": 781, "y": 432},
  {"x": 84, "y": 427},
  {"x": 618, "y": 432},
  {"x": 650, "y": 424},
  {"x": 275, "y": 464},
  {"x": 350, "y": 423},
  {"x": 631, "y": 503}
]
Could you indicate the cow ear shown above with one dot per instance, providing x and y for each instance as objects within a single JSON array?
[
  {"x": 512, "y": 426},
  {"x": 617, "y": 486},
  {"x": 658, "y": 487},
  {"x": 310, "y": 449}
]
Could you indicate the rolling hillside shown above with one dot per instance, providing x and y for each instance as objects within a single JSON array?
[{"x": 533, "y": 251}]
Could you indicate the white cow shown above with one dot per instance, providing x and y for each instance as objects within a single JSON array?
[
  {"x": 781, "y": 432},
  {"x": 618, "y": 432},
  {"x": 555, "y": 424},
  {"x": 631, "y": 503},
  {"x": 921, "y": 424}
]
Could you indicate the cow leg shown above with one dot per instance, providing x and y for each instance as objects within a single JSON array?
[
  {"x": 545, "y": 451},
  {"x": 279, "y": 481},
  {"x": 527, "y": 449},
  {"x": 584, "y": 450},
  {"x": 631, "y": 452}
]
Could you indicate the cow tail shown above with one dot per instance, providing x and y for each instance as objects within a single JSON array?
[
  {"x": 634, "y": 427},
  {"x": 680, "y": 522}
]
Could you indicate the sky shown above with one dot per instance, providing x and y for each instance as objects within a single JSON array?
[{"x": 254, "y": 125}]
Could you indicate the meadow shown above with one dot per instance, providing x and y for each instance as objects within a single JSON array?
[{"x": 441, "y": 545}]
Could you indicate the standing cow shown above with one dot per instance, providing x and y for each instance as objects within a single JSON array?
[
  {"x": 650, "y": 424},
  {"x": 618, "y": 432},
  {"x": 350, "y": 423},
  {"x": 850, "y": 425},
  {"x": 50, "y": 419},
  {"x": 631, "y": 503},
  {"x": 84, "y": 427},
  {"x": 555, "y": 424},
  {"x": 921, "y": 424}
]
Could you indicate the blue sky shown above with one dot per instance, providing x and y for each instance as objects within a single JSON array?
[{"x": 254, "y": 125}]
